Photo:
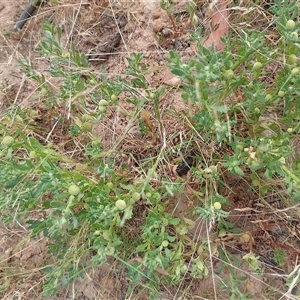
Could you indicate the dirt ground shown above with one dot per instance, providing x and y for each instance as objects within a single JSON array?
[{"x": 140, "y": 24}]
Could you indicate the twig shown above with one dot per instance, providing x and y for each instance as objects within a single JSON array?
[{"x": 26, "y": 14}]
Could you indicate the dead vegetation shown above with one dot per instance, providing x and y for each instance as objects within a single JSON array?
[{"x": 108, "y": 32}]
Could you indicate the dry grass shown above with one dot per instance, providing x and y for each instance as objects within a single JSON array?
[{"x": 169, "y": 133}]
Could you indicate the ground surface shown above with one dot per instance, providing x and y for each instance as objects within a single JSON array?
[{"x": 91, "y": 26}]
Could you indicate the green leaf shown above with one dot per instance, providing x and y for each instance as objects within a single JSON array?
[
  {"x": 141, "y": 248},
  {"x": 237, "y": 170},
  {"x": 174, "y": 221},
  {"x": 219, "y": 108},
  {"x": 58, "y": 204},
  {"x": 14, "y": 181},
  {"x": 179, "y": 72}
]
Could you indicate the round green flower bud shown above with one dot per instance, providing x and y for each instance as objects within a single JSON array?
[
  {"x": 294, "y": 35},
  {"x": 246, "y": 237},
  {"x": 120, "y": 204},
  {"x": 257, "y": 65},
  {"x": 165, "y": 243},
  {"x": 292, "y": 59},
  {"x": 7, "y": 140},
  {"x": 229, "y": 74},
  {"x": 290, "y": 24},
  {"x": 74, "y": 189},
  {"x": 136, "y": 196},
  {"x": 110, "y": 185},
  {"x": 114, "y": 97},
  {"x": 295, "y": 71},
  {"x": 281, "y": 93},
  {"x": 103, "y": 102},
  {"x": 217, "y": 205}
]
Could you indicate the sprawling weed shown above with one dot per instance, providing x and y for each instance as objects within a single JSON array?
[{"x": 84, "y": 201}]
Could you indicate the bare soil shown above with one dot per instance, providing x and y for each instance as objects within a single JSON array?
[{"x": 109, "y": 33}]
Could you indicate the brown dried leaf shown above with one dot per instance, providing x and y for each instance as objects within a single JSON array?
[
  {"x": 161, "y": 271},
  {"x": 174, "y": 81},
  {"x": 220, "y": 25}
]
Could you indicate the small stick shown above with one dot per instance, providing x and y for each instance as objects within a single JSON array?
[{"x": 26, "y": 14}]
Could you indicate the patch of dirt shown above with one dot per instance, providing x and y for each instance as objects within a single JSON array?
[{"x": 21, "y": 259}]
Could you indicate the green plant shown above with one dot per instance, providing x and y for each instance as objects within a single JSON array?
[
  {"x": 168, "y": 6},
  {"x": 210, "y": 83},
  {"x": 87, "y": 200}
]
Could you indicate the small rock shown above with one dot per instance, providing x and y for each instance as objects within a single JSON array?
[
  {"x": 174, "y": 81},
  {"x": 156, "y": 14},
  {"x": 157, "y": 25},
  {"x": 166, "y": 31}
]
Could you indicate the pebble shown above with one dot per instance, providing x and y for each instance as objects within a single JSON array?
[
  {"x": 157, "y": 25},
  {"x": 166, "y": 31},
  {"x": 156, "y": 14}
]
